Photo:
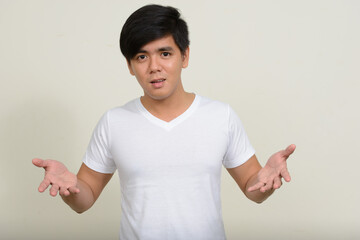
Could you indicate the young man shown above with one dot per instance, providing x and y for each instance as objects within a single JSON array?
[{"x": 168, "y": 145}]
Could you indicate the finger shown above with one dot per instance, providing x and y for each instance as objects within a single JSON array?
[
  {"x": 44, "y": 185},
  {"x": 67, "y": 191},
  {"x": 74, "y": 190},
  {"x": 267, "y": 186},
  {"x": 255, "y": 187},
  {"x": 54, "y": 190},
  {"x": 277, "y": 183},
  {"x": 285, "y": 174},
  {"x": 64, "y": 191},
  {"x": 39, "y": 162},
  {"x": 289, "y": 150}
]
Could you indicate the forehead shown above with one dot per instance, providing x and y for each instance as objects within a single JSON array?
[{"x": 166, "y": 42}]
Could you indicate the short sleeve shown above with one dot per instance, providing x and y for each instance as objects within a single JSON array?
[
  {"x": 98, "y": 156},
  {"x": 239, "y": 149}
]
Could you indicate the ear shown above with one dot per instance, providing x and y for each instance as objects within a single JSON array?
[
  {"x": 130, "y": 68},
  {"x": 186, "y": 58}
]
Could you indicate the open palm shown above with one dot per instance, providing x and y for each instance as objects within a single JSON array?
[
  {"x": 57, "y": 175},
  {"x": 269, "y": 177}
]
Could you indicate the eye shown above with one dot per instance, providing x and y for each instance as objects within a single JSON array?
[
  {"x": 165, "y": 54},
  {"x": 141, "y": 57}
]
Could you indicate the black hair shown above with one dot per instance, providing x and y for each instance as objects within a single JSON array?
[{"x": 150, "y": 23}]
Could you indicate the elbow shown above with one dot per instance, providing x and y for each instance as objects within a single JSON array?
[
  {"x": 256, "y": 200},
  {"x": 82, "y": 209},
  {"x": 259, "y": 201},
  {"x": 79, "y": 210}
]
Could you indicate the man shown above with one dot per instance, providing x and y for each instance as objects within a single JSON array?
[{"x": 168, "y": 145}]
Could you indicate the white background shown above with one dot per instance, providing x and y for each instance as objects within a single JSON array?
[{"x": 290, "y": 69}]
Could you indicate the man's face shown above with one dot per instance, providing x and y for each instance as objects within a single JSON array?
[{"x": 157, "y": 67}]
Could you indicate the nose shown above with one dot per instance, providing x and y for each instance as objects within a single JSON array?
[{"x": 155, "y": 65}]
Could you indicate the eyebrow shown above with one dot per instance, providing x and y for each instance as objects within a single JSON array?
[
  {"x": 162, "y": 49},
  {"x": 165, "y": 49}
]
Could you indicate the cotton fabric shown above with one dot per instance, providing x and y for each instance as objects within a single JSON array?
[{"x": 169, "y": 171}]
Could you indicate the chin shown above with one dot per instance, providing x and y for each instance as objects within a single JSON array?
[{"x": 158, "y": 97}]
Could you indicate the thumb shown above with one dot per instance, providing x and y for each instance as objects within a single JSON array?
[
  {"x": 289, "y": 150},
  {"x": 39, "y": 162}
]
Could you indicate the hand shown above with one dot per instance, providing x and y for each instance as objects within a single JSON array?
[
  {"x": 57, "y": 175},
  {"x": 269, "y": 177}
]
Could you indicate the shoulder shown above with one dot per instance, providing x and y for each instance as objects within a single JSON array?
[
  {"x": 218, "y": 109},
  {"x": 121, "y": 113},
  {"x": 213, "y": 112},
  {"x": 126, "y": 109},
  {"x": 214, "y": 106}
]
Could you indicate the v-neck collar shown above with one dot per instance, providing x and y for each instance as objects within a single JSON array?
[{"x": 173, "y": 123}]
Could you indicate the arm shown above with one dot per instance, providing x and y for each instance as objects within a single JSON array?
[
  {"x": 78, "y": 191},
  {"x": 91, "y": 184},
  {"x": 259, "y": 183},
  {"x": 245, "y": 176}
]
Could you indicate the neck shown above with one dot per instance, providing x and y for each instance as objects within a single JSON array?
[{"x": 168, "y": 108}]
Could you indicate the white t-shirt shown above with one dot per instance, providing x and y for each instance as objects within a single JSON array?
[{"x": 169, "y": 171}]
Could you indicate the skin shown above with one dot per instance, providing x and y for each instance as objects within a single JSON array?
[
  {"x": 162, "y": 60},
  {"x": 259, "y": 183},
  {"x": 157, "y": 67}
]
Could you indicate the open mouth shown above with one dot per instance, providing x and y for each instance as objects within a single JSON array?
[{"x": 158, "y": 81}]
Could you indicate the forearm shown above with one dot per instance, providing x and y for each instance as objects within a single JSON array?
[
  {"x": 256, "y": 196},
  {"x": 82, "y": 201}
]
